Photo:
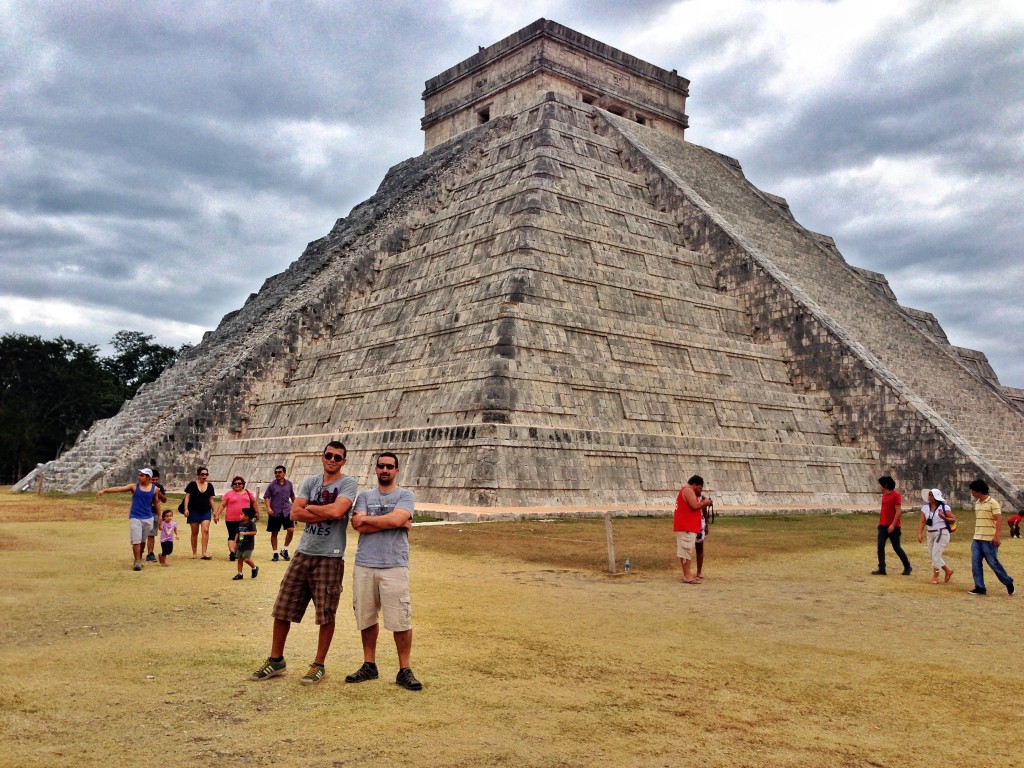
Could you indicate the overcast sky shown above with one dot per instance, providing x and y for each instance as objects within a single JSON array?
[{"x": 160, "y": 160}]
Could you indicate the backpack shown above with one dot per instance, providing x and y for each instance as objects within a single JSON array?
[{"x": 950, "y": 524}]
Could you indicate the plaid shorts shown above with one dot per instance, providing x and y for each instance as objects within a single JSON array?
[{"x": 310, "y": 577}]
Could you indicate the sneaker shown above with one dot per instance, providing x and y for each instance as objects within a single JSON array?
[
  {"x": 255, "y": 571},
  {"x": 1010, "y": 589},
  {"x": 315, "y": 674},
  {"x": 907, "y": 570},
  {"x": 237, "y": 577},
  {"x": 284, "y": 554},
  {"x": 406, "y": 680},
  {"x": 269, "y": 669},
  {"x": 137, "y": 566},
  {"x": 976, "y": 591},
  {"x": 361, "y": 675},
  {"x": 151, "y": 558},
  {"x": 275, "y": 558},
  {"x": 879, "y": 572}
]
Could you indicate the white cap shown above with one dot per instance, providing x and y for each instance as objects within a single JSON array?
[
  {"x": 934, "y": 492},
  {"x": 146, "y": 471}
]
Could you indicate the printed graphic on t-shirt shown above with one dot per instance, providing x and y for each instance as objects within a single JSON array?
[
  {"x": 375, "y": 510},
  {"x": 325, "y": 496}
]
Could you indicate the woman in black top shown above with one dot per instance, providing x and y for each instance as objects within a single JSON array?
[{"x": 199, "y": 508}]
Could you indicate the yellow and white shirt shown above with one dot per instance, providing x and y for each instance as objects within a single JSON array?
[{"x": 985, "y": 512}]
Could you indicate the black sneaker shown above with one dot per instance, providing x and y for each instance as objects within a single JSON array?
[
  {"x": 269, "y": 669},
  {"x": 907, "y": 570},
  {"x": 1010, "y": 589},
  {"x": 275, "y": 558},
  {"x": 406, "y": 680},
  {"x": 237, "y": 577},
  {"x": 977, "y": 591},
  {"x": 255, "y": 571},
  {"x": 284, "y": 554},
  {"x": 879, "y": 572},
  {"x": 361, "y": 675}
]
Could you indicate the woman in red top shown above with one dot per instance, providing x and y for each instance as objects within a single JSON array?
[{"x": 234, "y": 501}]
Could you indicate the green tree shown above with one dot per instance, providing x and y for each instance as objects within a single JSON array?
[
  {"x": 49, "y": 392},
  {"x": 138, "y": 360}
]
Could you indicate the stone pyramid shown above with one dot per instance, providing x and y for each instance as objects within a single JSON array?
[{"x": 562, "y": 303}]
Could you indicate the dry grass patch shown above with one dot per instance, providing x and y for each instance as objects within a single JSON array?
[{"x": 790, "y": 654}]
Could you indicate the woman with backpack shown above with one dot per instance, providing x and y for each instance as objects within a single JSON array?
[{"x": 938, "y": 520}]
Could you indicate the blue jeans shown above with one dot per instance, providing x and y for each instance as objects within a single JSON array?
[
  {"x": 894, "y": 537},
  {"x": 989, "y": 552}
]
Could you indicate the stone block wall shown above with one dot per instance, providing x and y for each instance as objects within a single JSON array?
[
  {"x": 843, "y": 337},
  {"x": 562, "y": 307}
]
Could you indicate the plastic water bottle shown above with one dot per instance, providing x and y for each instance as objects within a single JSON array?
[{"x": 626, "y": 566}]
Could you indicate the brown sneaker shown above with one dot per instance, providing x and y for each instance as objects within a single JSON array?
[{"x": 315, "y": 674}]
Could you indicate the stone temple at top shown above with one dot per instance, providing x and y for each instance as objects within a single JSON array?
[{"x": 563, "y": 303}]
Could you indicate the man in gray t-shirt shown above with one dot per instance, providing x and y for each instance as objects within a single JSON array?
[
  {"x": 318, "y": 567},
  {"x": 383, "y": 517}
]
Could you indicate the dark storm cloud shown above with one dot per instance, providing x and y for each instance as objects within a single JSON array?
[{"x": 158, "y": 148}]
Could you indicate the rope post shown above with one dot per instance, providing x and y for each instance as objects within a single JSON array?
[
  {"x": 39, "y": 488},
  {"x": 611, "y": 542}
]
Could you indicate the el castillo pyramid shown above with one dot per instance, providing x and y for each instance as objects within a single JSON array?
[{"x": 563, "y": 303}]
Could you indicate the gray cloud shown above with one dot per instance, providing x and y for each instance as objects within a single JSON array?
[{"x": 195, "y": 149}]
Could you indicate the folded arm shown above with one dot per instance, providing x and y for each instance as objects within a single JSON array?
[
  {"x": 304, "y": 512},
  {"x": 399, "y": 518}
]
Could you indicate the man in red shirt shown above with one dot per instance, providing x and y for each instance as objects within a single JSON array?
[
  {"x": 687, "y": 522},
  {"x": 889, "y": 525}
]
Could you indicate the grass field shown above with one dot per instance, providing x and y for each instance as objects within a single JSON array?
[{"x": 790, "y": 653}]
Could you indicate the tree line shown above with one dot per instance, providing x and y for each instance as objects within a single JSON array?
[{"x": 50, "y": 390}]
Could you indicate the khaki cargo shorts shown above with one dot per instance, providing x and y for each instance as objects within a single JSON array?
[
  {"x": 382, "y": 590},
  {"x": 684, "y": 544}
]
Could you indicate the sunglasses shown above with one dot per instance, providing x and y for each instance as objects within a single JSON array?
[
  {"x": 238, "y": 483},
  {"x": 386, "y": 466},
  {"x": 333, "y": 456},
  {"x": 204, "y": 474}
]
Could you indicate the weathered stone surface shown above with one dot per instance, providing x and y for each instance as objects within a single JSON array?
[
  {"x": 565, "y": 308},
  {"x": 545, "y": 57}
]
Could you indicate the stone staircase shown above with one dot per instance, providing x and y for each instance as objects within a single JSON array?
[{"x": 975, "y": 415}]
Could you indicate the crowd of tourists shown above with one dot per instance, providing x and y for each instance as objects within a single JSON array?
[
  {"x": 935, "y": 527},
  {"x": 327, "y": 503}
]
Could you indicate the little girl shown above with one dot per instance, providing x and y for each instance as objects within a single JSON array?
[
  {"x": 245, "y": 542},
  {"x": 168, "y": 535}
]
